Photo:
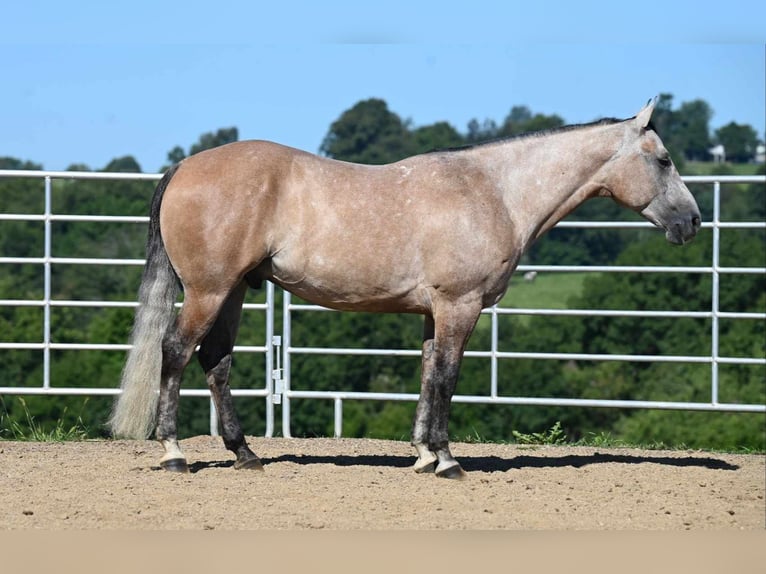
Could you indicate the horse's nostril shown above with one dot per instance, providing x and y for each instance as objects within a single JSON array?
[{"x": 696, "y": 221}]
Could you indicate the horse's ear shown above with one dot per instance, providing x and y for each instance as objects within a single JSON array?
[{"x": 645, "y": 115}]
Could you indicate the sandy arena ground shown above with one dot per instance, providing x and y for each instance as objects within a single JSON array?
[{"x": 361, "y": 484}]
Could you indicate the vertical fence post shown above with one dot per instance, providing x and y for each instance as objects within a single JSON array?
[
  {"x": 338, "y": 429},
  {"x": 286, "y": 344},
  {"x": 47, "y": 286},
  {"x": 493, "y": 354},
  {"x": 715, "y": 294},
  {"x": 269, "y": 359}
]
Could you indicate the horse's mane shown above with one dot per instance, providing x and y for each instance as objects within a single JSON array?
[{"x": 536, "y": 134}]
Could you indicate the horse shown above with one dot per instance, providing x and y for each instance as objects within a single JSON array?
[{"x": 437, "y": 234}]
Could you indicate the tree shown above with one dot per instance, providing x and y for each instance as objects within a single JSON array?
[
  {"x": 368, "y": 133},
  {"x": 206, "y": 141},
  {"x": 685, "y": 131},
  {"x": 665, "y": 122},
  {"x": 662, "y": 117},
  {"x": 176, "y": 154},
  {"x": 210, "y": 140},
  {"x": 125, "y": 164},
  {"x": 440, "y": 135},
  {"x": 518, "y": 115},
  {"x": 481, "y": 132},
  {"x": 13, "y": 163},
  {"x": 739, "y": 141},
  {"x": 692, "y": 131},
  {"x": 520, "y": 121}
]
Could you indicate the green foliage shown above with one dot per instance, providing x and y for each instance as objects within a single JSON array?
[
  {"x": 552, "y": 436},
  {"x": 368, "y": 133},
  {"x": 692, "y": 134},
  {"x": 440, "y": 135},
  {"x": 520, "y": 120},
  {"x": 11, "y": 428},
  {"x": 602, "y": 439},
  {"x": 739, "y": 141},
  {"x": 126, "y": 164},
  {"x": 208, "y": 140},
  {"x": 546, "y": 291}
]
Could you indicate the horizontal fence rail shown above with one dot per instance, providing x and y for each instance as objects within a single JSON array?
[{"x": 279, "y": 350}]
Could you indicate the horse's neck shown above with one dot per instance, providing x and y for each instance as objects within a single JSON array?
[{"x": 545, "y": 178}]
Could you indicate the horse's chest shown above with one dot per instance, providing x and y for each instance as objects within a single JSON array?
[{"x": 496, "y": 283}]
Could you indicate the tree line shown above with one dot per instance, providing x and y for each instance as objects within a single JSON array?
[{"x": 369, "y": 132}]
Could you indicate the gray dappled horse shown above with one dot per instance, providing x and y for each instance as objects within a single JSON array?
[{"x": 437, "y": 234}]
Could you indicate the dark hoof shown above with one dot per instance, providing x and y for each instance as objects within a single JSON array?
[
  {"x": 175, "y": 465},
  {"x": 249, "y": 464},
  {"x": 453, "y": 472}
]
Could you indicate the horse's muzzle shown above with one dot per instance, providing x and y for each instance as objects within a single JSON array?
[{"x": 682, "y": 229}]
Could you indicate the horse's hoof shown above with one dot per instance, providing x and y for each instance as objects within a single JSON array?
[
  {"x": 426, "y": 461},
  {"x": 175, "y": 465},
  {"x": 424, "y": 467},
  {"x": 249, "y": 464},
  {"x": 454, "y": 472}
]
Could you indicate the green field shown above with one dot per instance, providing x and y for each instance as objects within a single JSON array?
[
  {"x": 548, "y": 290},
  {"x": 710, "y": 168}
]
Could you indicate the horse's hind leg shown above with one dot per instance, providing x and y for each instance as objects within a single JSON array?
[
  {"x": 197, "y": 315},
  {"x": 215, "y": 357}
]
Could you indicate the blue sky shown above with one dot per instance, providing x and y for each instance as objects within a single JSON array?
[{"x": 85, "y": 82}]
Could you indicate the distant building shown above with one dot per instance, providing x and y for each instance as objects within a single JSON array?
[
  {"x": 760, "y": 153},
  {"x": 719, "y": 153}
]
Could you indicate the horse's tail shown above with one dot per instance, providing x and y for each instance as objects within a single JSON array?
[{"x": 135, "y": 410}]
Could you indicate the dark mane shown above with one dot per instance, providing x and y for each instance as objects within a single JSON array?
[{"x": 541, "y": 133}]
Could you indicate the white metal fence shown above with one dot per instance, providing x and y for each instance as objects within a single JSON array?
[{"x": 279, "y": 350}]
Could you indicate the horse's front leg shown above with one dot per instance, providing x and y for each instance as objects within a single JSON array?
[
  {"x": 426, "y": 461},
  {"x": 442, "y": 356}
]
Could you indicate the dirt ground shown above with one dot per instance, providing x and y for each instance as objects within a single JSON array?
[{"x": 358, "y": 484}]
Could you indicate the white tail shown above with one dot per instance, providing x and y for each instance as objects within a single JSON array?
[{"x": 135, "y": 410}]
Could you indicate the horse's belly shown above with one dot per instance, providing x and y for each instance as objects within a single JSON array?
[{"x": 346, "y": 286}]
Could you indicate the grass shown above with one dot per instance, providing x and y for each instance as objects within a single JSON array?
[
  {"x": 30, "y": 430},
  {"x": 548, "y": 290},
  {"x": 556, "y": 436},
  {"x": 710, "y": 168}
]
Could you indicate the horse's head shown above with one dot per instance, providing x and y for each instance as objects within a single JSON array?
[{"x": 644, "y": 178}]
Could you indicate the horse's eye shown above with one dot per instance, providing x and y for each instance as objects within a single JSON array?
[{"x": 664, "y": 161}]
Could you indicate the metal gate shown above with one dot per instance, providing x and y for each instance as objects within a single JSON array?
[{"x": 276, "y": 387}]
